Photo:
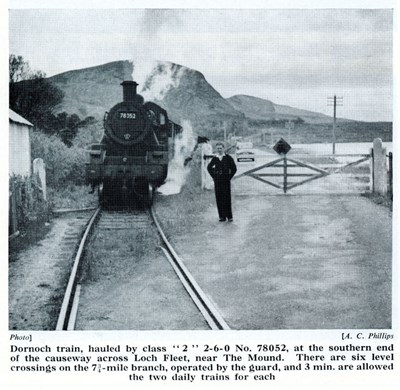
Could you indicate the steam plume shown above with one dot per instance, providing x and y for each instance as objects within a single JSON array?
[{"x": 177, "y": 171}]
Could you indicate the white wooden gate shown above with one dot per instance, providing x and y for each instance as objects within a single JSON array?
[{"x": 340, "y": 172}]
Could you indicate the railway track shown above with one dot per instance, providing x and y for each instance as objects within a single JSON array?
[
  {"x": 107, "y": 224},
  {"x": 67, "y": 314}
]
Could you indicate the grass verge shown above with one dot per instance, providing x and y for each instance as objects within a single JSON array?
[
  {"x": 72, "y": 197},
  {"x": 385, "y": 201},
  {"x": 29, "y": 235}
]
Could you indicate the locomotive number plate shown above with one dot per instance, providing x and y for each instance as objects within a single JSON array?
[{"x": 127, "y": 115}]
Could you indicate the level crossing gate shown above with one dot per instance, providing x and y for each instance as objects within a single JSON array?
[{"x": 339, "y": 173}]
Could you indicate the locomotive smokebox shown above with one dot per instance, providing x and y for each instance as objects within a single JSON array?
[{"x": 129, "y": 90}]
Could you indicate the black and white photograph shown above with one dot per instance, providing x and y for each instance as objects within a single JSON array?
[{"x": 176, "y": 171}]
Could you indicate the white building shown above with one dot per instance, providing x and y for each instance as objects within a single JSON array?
[{"x": 19, "y": 145}]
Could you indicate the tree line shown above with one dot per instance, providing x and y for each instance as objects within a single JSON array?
[{"x": 36, "y": 99}]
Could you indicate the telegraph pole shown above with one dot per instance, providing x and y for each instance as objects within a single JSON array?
[
  {"x": 289, "y": 125},
  {"x": 334, "y": 101}
]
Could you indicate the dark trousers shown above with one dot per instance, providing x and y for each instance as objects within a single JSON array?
[{"x": 223, "y": 198}]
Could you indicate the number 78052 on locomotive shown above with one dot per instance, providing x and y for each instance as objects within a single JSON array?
[{"x": 133, "y": 156}]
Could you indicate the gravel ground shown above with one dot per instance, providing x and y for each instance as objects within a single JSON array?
[
  {"x": 287, "y": 262},
  {"x": 292, "y": 262},
  {"x": 39, "y": 274}
]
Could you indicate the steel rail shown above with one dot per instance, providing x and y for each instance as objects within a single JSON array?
[
  {"x": 69, "y": 296},
  {"x": 62, "y": 211},
  {"x": 208, "y": 310}
]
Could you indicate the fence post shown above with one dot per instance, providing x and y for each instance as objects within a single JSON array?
[
  {"x": 13, "y": 218},
  {"x": 39, "y": 170},
  {"x": 371, "y": 169},
  {"x": 390, "y": 175},
  {"x": 379, "y": 168},
  {"x": 284, "y": 174}
]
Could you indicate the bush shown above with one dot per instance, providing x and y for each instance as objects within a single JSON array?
[
  {"x": 72, "y": 197},
  {"x": 64, "y": 166}
]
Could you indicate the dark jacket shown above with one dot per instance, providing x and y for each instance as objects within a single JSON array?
[{"x": 222, "y": 170}]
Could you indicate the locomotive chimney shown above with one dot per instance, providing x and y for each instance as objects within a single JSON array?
[{"x": 129, "y": 90}]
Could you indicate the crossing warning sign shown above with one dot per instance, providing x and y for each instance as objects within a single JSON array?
[{"x": 282, "y": 147}]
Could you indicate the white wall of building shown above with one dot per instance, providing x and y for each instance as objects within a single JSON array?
[{"x": 20, "y": 150}]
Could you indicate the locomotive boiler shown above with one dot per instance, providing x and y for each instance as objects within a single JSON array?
[{"x": 133, "y": 155}]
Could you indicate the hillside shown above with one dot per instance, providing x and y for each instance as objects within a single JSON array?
[
  {"x": 92, "y": 91},
  {"x": 186, "y": 95},
  {"x": 195, "y": 99},
  {"x": 261, "y": 109},
  {"x": 183, "y": 92}
]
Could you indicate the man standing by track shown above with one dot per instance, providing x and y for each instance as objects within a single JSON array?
[{"x": 222, "y": 168}]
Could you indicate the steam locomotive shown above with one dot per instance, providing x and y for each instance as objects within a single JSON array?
[{"x": 132, "y": 158}]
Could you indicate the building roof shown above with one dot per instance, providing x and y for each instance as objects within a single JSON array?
[{"x": 14, "y": 117}]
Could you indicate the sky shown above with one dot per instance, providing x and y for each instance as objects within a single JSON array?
[{"x": 295, "y": 57}]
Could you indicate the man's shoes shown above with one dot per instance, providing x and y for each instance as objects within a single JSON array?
[
  {"x": 222, "y": 220},
  {"x": 230, "y": 219}
]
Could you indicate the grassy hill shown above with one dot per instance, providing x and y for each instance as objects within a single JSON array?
[
  {"x": 187, "y": 95},
  {"x": 260, "y": 109},
  {"x": 92, "y": 91}
]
